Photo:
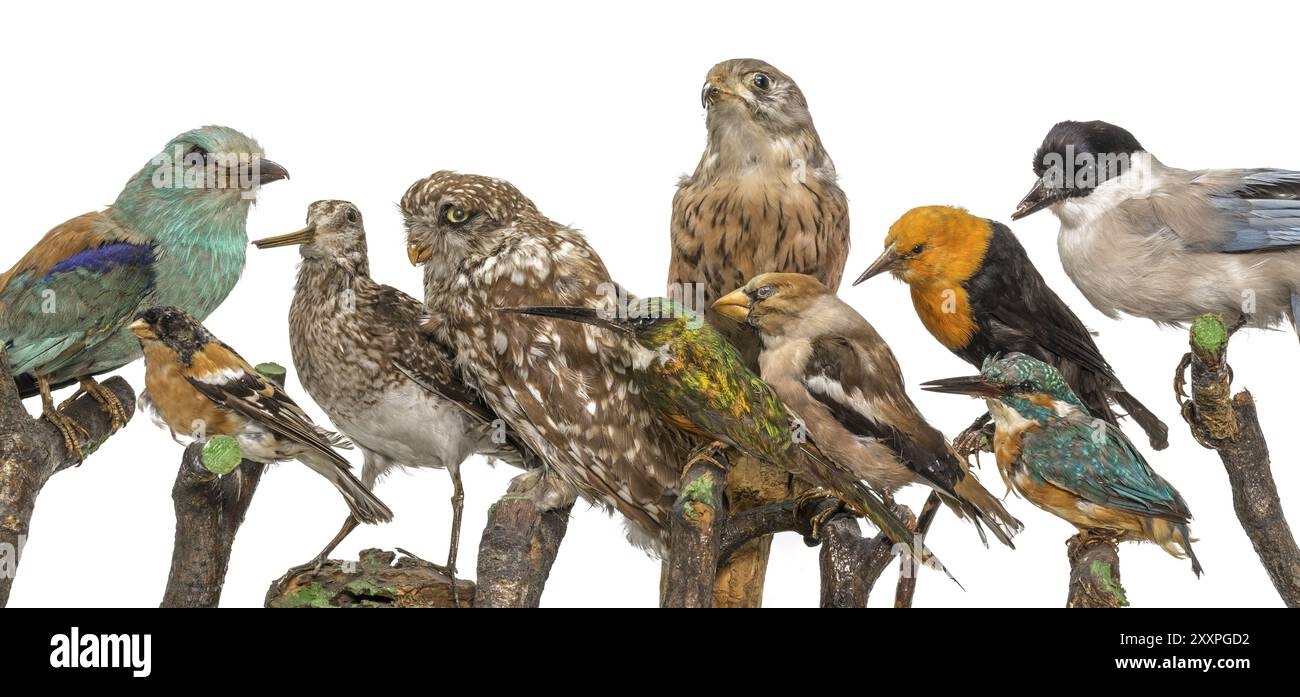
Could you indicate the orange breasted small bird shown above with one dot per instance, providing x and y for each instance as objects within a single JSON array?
[
  {"x": 198, "y": 385},
  {"x": 977, "y": 292}
]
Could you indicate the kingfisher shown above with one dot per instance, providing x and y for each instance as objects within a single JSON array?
[{"x": 1052, "y": 451}]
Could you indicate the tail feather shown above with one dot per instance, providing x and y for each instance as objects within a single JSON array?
[
  {"x": 977, "y": 503},
  {"x": 1156, "y": 430},
  {"x": 1173, "y": 537},
  {"x": 365, "y": 506},
  {"x": 866, "y": 503}
]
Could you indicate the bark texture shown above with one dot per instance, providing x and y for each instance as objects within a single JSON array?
[
  {"x": 699, "y": 516},
  {"x": 32, "y": 451},
  {"x": 1094, "y": 572},
  {"x": 519, "y": 546},
  {"x": 1229, "y": 425}
]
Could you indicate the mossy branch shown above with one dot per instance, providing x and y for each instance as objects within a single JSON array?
[
  {"x": 1094, "y": 572},
  {"x": 1229, "y": 425}
]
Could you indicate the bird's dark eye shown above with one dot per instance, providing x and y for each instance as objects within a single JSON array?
[
  {"x": 918, "y": 249},
  {"x": 456, "y": 216},
  {"x": 764, "y": 293},
  {"x": 353, "y": 216},
  {"x": 762, "y": 81},
  {"x": 197, "y": 152}
]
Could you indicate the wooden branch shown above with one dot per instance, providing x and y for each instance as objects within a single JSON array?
[
  {"x": 699, "y": 517},
  {"x": 1094, "y": 572},
  {"x": 850, "y": 563},
  {"x": 373, "y": 581},
  {"x": 519, "y": 546},
  {"x": 210, "y": 508},
  {"x": 906, "y": 589},
  {"x": 32, "y": 451},
  {"x": 1230, "y": 425}
]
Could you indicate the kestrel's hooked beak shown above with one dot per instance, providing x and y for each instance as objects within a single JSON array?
[
  {"x": 1038, "y": 198},
  {"x": 734, "y": 305},
  {"x": 973, "y": 385},
  {"x": 889, "y": 260},
  {"x": 417, "y": 254},
  {"x": 306, "y": 235},
  {"x": 586, "y": 315},
  {"x": 268, "y": 171},
  {"x": 142, "y": 329}
]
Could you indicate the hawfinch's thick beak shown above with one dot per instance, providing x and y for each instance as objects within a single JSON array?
[
  {"x": 972, "y": 385},
  {"x": 1036, "y": 200},
  {"x": 306, "y": 235},
  {"x": 586, "y": 315},
  {"x": 268, "y": 171},
  {"x": 417, "y": 254},
  {"x": 889, "y": 260},
  {"x": 734, "y": 305},
  {"x": 141, "y": 329}
]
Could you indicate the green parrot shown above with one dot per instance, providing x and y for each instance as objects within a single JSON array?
[
  {"x": 700, "y": 384},
  {"x": 175, "y": 235}
]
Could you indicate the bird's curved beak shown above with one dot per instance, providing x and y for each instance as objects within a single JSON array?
[
  {"x": 889, "y": 260},
  {"x": 734, "y": 305},
  {"x": 973, "y": 385},
  {"x": 306, "y": 235},
  {"x": 417, "y": 254},
  {"x": 141, "y": 329},
  {"x": 268, "y": 171},
  {"x": 1038, "y": 198},
  {"x": 709, "y": 94},
  {"x": 586, "y": 315}
]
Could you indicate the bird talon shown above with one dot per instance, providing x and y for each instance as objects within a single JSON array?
[
  {"x": 708, "y": 453},
  {"x": 817, "y": 521}
]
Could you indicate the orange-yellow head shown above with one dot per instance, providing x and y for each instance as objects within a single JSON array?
[{"x": 933, "y": 245}]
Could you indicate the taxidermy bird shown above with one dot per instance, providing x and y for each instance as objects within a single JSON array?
[
  {"x": 1050, "y": 450},
  {"x": 977, "y": 292},
  {"x": 360, "y": 354},
  {"x": 200, "y": 387},
  {"x": 699, "y": 384},
  {"x": 828, "y": 364},
  {"x": 1141, "y": 238},
  {"x": 763, "y": 198},
  {"x": 174, "y": 236},
  {"x": 565, "y": 389}
]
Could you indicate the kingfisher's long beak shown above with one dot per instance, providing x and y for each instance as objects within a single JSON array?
[
  {"x": 268, "y": 171},
  {"x": 142, "y": 329},
  {"x": 586, "y": 315},
  {"x": 888, "y": 260},
  {"x": 417, "y": 254},
  {"x": 1038, "y": 198},
  {"x": 306, "y": 235},
  {"x": 734, "y": 305},
  {"x": 972, "y": 385}
]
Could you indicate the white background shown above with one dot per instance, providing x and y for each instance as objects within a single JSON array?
[{"x": 593, "y": 111}]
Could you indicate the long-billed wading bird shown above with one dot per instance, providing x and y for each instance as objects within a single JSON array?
[
  {"x": 386, "y": 385},
  {"x": 175, "y": 235}
]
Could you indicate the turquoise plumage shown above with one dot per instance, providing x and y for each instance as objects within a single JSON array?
[
  {"x": 175, "y": 235},
  {"x": 1065, "y": 461}
]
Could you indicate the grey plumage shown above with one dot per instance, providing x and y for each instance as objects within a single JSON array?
[
  {"x": 360, "y": 354},
  {"x": 1169, "y": 244}
]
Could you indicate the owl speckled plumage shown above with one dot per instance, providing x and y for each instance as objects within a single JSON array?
[
  {"x": 1065, "y": 461},
  {"x": 175, "y": 235},
  {"x": 359, "y": 353},
  {"x": 566, "y": 389}
]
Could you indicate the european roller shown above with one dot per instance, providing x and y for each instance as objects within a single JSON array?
[{"x": 175, "y": 235}]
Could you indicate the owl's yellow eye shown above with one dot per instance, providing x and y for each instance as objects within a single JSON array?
[{"x": 457, "y": 215}]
